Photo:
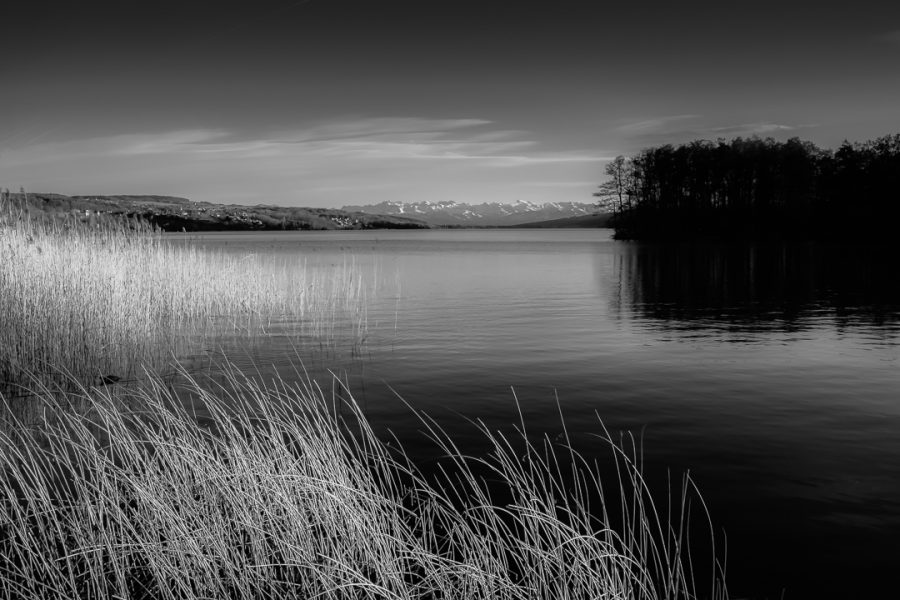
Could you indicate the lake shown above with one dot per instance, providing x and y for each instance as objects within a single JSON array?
[{"x": 769, "y": 371}]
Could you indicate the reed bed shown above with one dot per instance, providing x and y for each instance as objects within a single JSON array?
[
  {"x": 90, "y": 301},
  {"x": 244, "y": 488}
]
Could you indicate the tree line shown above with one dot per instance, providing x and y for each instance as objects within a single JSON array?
[{"x": 756, "y": 189}]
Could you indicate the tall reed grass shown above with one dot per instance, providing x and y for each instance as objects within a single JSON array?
[
  {"x": 92, "y": 300},
  {"x": 267, "y": 489},
  {"x": 241, "y": 487}
]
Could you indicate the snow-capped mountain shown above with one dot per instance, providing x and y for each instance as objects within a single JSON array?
[{"x": 487, "y": 214}]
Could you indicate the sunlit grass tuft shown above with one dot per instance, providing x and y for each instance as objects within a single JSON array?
[{"x": 252, "y": 489}]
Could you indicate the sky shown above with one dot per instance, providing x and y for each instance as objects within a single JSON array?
[{"x": 333, "y": 102}]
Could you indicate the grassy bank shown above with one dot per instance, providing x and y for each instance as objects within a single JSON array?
[
  {"x": 249, "y": 489},
  {"x": 102, "y": 299}
]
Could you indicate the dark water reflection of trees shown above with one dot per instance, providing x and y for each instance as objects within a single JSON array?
[{"x": 757, "y": 287}]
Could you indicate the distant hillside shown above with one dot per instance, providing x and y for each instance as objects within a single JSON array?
[
  {"x": 588, "y": 221},
  {"x": 488, "y": 214},
  {"x": 176, "y": 214}
]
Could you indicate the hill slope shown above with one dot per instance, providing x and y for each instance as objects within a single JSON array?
[{"x": 172, "y": 213}]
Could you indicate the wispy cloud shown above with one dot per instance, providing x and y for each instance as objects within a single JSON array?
[
  {"x": 654, "y": 124},
  {"x": 356, "y": 128},
  {"x": 760, "y": 128},
  {"x": 651, "y": 131},
  {"x": 565, "y": 184},
  {"x": 160, "y": 143},
  {"x": 411, "y": 139},
  {"x": 684, "y": 128},
  {"x": 325, "y": 163}
]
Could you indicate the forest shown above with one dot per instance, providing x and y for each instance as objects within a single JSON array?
[{"x": 756, "y": 189}]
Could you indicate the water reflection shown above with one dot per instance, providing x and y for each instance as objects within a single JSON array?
[{"x": 743, "y": 289}]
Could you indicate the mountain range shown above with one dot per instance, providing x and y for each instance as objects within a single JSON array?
[{"x": 487, "y": 214}]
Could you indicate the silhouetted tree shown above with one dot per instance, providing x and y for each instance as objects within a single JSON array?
[{"x": 615, "y": 193}]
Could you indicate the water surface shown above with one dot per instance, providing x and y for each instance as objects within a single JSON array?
[{"x": 769, "y": 371}]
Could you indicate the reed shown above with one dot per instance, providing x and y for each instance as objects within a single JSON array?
[
  {"x": 244, "y": 488},
  {"x": 88, "y": 300}
]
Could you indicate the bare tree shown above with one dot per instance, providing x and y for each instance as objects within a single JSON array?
[{"x": 615, "y": 193}]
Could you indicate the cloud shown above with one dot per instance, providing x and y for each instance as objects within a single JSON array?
[
  {"x": 658, "y": 130},
  {"x": 163, "y": 143},
  {"x": 326, "y": 163},
  {"x": 760, "y": 128},
  {"x": 654, "y": 124},
  {"x": 564, "y": 184},
  {"x": 357, "y": 139},
  {"x": 110, "y": 147},
  {"x": 672, "y": 130},
  {"x": 355, "y": 128},
  {"x": 547, "y": 159}
]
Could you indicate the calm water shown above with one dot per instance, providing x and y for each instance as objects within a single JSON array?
[{"x": 771, "y": 372}]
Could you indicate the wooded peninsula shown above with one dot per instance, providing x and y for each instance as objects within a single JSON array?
[{"x": 756, "y": 189}]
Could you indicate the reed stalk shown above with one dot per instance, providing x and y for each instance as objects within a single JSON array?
[{"x": 93, "y": 300}]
